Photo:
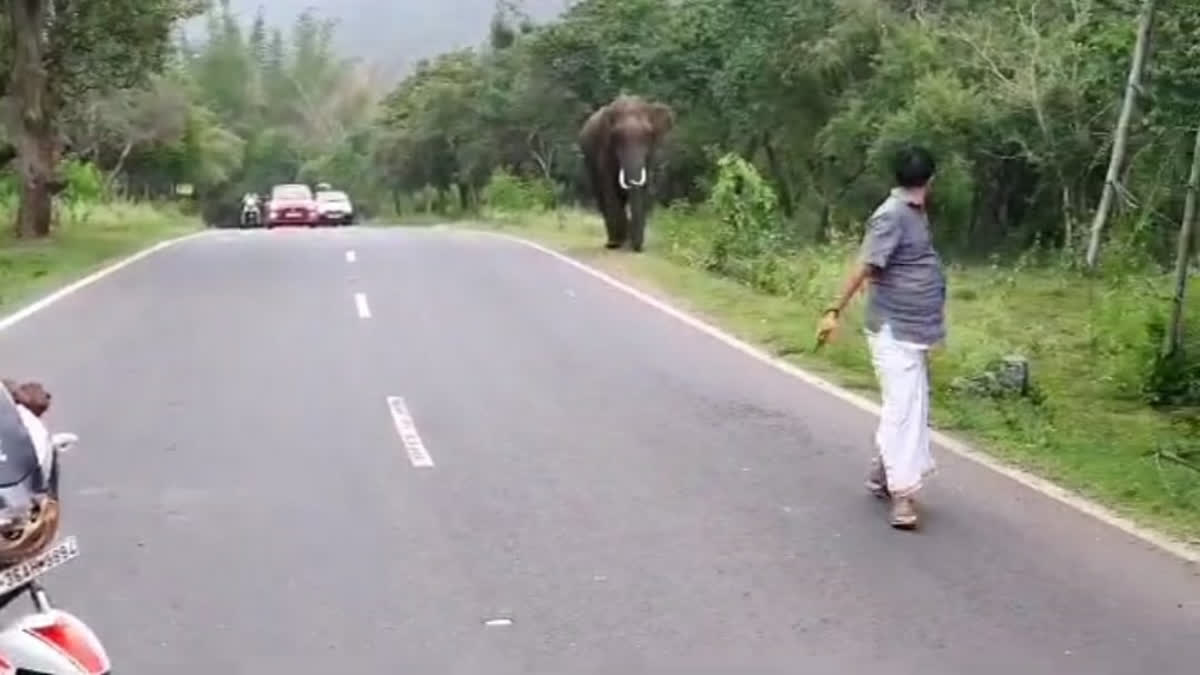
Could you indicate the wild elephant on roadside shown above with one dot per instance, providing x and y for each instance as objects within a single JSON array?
[{"x": 618, "y": 142}]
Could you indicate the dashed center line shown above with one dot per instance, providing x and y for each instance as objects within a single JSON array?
[
  {"x": 351, "y": 256},
  {"x": 360, "y": 301},
  {"x": 407, "y": 428}
]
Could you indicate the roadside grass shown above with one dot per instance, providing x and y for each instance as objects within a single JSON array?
[
  {"x": 1088, "y": 428},
  {"x": 87, "y": 237}
]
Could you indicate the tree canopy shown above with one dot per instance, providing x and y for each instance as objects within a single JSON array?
[{"x": 1017, "y": 97}]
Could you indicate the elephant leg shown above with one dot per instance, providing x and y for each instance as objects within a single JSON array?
[
  {"x": 606, "y": 210},
  {"x": 622, "y": 217},
  {"x": 605, "y": 200},
  {"x": 637, "y": 219},
  {"x": 614, "y": 219},
  {"x": 613, "y": 228},
  {"x": 612, "y": 223}
]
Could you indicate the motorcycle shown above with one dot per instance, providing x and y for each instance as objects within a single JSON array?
[
  {"x": 48, "y": 641},
  {"x": 250, "y": 216}
]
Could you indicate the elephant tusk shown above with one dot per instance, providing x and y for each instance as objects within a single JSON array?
[
  {"x": 621, "y": 179},
  {"x": 641, "y": 179}
]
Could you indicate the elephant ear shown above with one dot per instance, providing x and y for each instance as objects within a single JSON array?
[
  {"x": 662, "y": 118},
  {"x": 609, "y": 115},
  {"x": 596, "y": 128}
]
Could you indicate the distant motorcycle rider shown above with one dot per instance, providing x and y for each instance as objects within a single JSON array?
[{"x": 251, "y": 204}]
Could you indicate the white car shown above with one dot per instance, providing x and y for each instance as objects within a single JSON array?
[{"x": 333, "y": 206}]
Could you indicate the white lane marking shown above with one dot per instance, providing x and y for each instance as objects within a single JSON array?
[
  {"x": 351, "y": 256},
  {"x": 407, "y": 428},
  {"x": 360, "y": 301},
  {"x": 1036, "y": 483},
  {"x": 44, "y": 302}
]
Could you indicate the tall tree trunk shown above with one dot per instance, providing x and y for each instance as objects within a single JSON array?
[
  {"x": 752, "y": 146},
  {"x": 1121, "y": 138},
  {"x": 821, "y": 236},
  {"x": 967, "y": 232},
  {"x": 464, "y": 196},
  {"x": 116, "y": 171},
  {"x": 31, "y": 118},
  {"x": 1183, "y": 255},
  {"x": 1068, "y": 217},
  {"x": 785, "y": 193}
]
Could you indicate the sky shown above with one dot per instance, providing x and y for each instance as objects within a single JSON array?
[{"x": 394, "y": 34}]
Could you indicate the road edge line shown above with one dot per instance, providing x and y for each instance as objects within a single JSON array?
[
  {"x": 56, "y": 295},
  {"x": 1160, "y": 540}
]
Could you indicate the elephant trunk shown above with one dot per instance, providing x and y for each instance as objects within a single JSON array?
[{"x": 632, "y": 162}]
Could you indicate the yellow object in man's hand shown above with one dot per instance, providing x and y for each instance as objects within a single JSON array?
[{"x": 827, "y": 327}]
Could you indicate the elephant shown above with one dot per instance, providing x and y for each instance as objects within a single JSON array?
[{"x": 618, "y": 142}]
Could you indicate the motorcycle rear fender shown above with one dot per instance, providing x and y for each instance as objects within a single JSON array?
[{"x": 55, "y": 642}]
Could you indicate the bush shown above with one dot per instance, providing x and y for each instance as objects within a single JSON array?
[
  {"x": 746, "y": 210},
  {"x": 85, "y": 183},
  {"x": 506, "y": 192},
  {"x": 1173, "y": 380},
  {"x": 738, "y": 233}
]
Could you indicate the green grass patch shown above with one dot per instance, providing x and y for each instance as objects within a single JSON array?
[
  {"x": 1088, "y": 341},
  {"x": 87, "y": 237}
]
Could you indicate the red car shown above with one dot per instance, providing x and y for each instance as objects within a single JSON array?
[{"x": 292, "y": 204}]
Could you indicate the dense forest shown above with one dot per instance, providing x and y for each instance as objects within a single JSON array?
[
  {"x": 1067, "y": 135},
  {"x": 1020, "y": 98}
]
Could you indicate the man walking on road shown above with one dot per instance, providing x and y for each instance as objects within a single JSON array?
[{"x": 904, "y": 319}]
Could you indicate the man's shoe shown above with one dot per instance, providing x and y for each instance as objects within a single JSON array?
[{"x": 904, "y": 514}]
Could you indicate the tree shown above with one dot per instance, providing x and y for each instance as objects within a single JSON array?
[
  {"x": 1183, "y": 255},
  {"x": 258, "y": 40},
  {"x": 1116, "y": 161},
  {"x": 61, "y": 52},
  {"x": 155, "y": 115},
  {"x": 109, "y": 129}
]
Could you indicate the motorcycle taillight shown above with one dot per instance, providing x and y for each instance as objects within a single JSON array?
[{"x": 74, "y": 643}]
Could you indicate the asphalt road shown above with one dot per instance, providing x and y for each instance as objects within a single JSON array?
[{"x": 633, "y": 495}]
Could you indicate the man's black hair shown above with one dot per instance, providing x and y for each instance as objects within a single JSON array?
[{"x": 913, "y": 167}]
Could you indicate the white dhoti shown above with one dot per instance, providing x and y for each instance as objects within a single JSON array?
[{"x": 902, "y": 438}]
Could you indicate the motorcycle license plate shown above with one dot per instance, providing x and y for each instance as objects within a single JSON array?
[{"x": 28, "y": 570}]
